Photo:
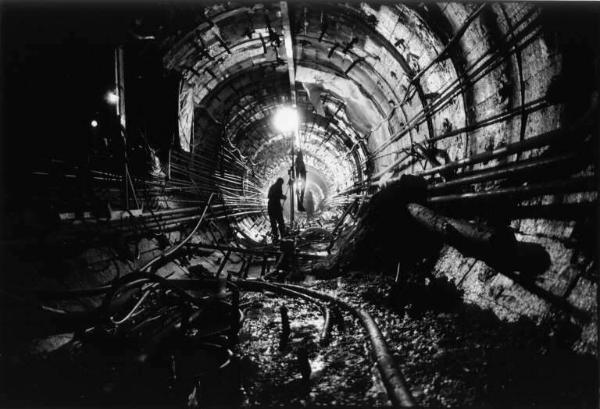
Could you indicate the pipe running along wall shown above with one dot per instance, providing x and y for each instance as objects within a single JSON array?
[{"x": 382, "y": 90}]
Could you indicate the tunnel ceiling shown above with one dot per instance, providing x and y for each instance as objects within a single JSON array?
[
  {"x": 381, "y": 89},
  {"x": 353, "y": 69}
]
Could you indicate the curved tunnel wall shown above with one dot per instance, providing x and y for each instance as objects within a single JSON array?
[
  {"x": 382, "y": 75},
  {"x": 513, "y": 72},
  {"x": 387, "y": 82},
  {"x": 401, "y": 76}
]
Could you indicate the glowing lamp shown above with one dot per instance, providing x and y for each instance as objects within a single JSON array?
[
  {"x": 112, "y": 98},
  {"x": 94, "y": 123},
  {"x": 286, "y": 119}
]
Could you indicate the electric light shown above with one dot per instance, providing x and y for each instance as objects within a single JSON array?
[
  {"x": 286, "y": 119},
  {"x": 112, "y": 98},
  {"x": 94, "y": 123}
]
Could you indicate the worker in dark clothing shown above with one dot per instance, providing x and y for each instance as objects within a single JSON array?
[
  {"x": 301, "y": 176},
  {"x": 276, "y": 209},
  {"x": 310, "y": 205}
]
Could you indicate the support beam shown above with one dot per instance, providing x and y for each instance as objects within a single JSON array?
[
  {"x": 289, "y": 49},
  {"x": 289, "y": 52},
  {"x": 120, "y": 112}
]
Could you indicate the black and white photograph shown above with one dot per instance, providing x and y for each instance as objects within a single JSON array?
[{"x": 299, "y": 204}]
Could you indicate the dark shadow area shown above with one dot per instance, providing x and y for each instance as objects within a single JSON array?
[
  {"x": 104, "y": 373},
  {"x": 470, "y": 358},
  {"x": 97, "y": 366}
]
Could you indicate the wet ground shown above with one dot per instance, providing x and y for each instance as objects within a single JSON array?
[
  {"x": 451, "y": 355},
  {"x": 341, "y": 373}
]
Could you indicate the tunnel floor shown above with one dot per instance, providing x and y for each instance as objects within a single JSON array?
[{"x": 452, "y": 355}]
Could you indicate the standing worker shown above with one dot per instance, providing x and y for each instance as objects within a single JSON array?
[
  {"x": 301, "y": 176},
  {"x": 276, "y": 209}
]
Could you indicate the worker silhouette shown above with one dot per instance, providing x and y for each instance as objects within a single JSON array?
[
  {"x": 301, "y": 176},
  {"x": 309, "y": 205},
  {"x": 275, "y": 208}
]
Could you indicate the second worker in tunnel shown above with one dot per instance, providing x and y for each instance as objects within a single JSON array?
[
  {"x": 301, "y": 176},
  {"x": 275, "y": 208}
]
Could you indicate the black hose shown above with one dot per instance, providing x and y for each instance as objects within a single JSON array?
[{"x": 393, "y": 379}]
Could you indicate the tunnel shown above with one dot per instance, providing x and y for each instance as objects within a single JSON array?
[{"x": 299, "y": 204}]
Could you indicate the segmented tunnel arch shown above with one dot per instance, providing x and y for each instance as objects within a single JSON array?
[{"x": 383, "y": 89}]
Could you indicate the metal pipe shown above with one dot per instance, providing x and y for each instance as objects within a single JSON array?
[
  {"x": 516, "y": 169},
  {"x": 174, "y": 249},
  {"x": 579, "y": 184},
  {"x": 528, "y": 144},
  {"x": 391, "y": 375}
]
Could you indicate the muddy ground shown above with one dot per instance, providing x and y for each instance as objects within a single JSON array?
[{"x": 452, "y": 355}]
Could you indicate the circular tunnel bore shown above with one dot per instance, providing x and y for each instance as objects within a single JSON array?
[
  {"x": 369, "y": 106},
  {"x": 331, "y": 155},
  {"x": 446, "y": 255},
  {"x": 381, "y": 90}
]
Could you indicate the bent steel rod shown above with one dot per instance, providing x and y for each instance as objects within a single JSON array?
[{"x": 174, "y": 249}]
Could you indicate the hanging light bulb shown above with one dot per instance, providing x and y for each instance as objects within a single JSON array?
[
  {"x": 286, "y": 119},
  {"x": 112, "y": 98}
]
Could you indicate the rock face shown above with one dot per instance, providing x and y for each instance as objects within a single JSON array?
[
  {"x": 534, "y": 268},
  {"x": 568, "y": 286}
]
